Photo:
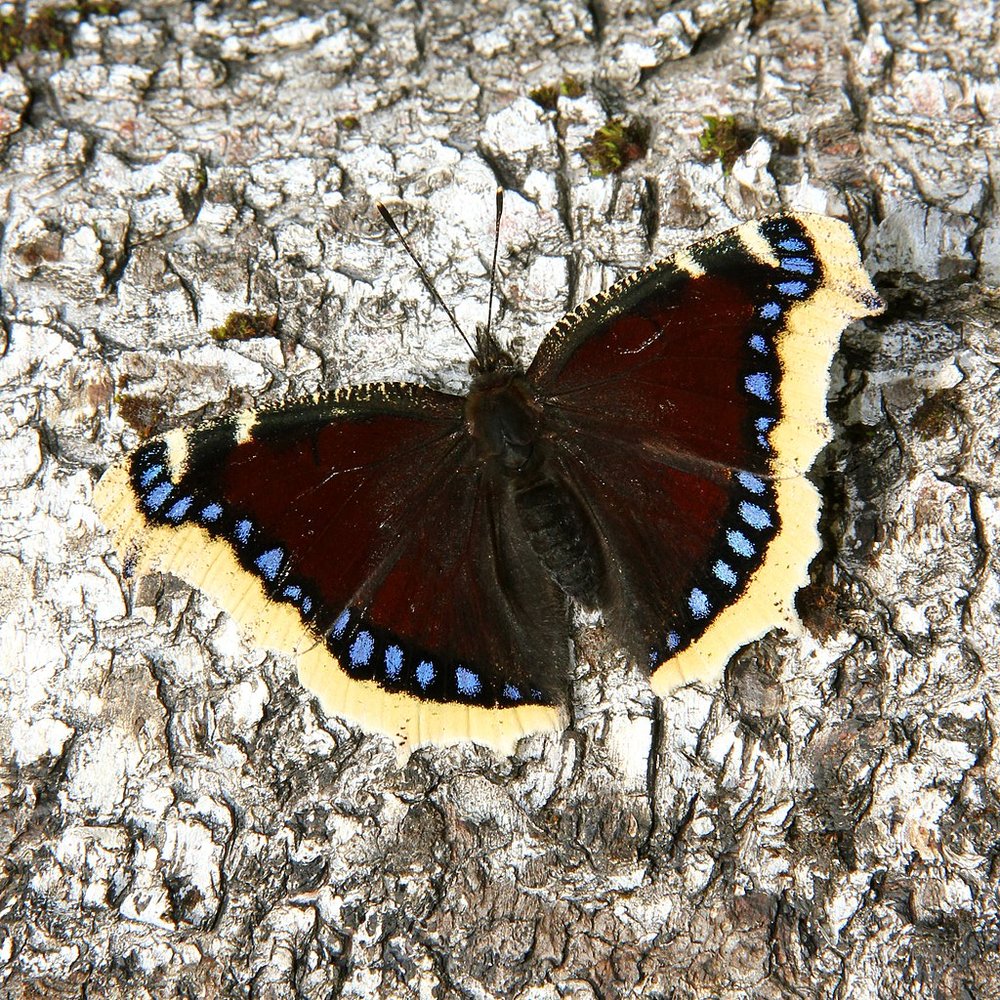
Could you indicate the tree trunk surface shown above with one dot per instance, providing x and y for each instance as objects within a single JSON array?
[{"x": 179, "y": 818}]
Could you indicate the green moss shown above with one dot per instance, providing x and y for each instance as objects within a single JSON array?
[
  {"x": 571, "y": 87},
  {"x": 725, "y": 140},
  {"x": 106, "y": 9},
  {"x": 246, "y": 326},
  {"x": 547, "y": 96},
  {"x": 615, "y": 145},
  {"x": 350, "y": 123},
  {"x": 49, "y": 29}
]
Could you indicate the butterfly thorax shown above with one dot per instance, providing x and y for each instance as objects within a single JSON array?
[{"x": 515, "y": 444}]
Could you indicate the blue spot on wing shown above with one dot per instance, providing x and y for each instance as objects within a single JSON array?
[
  {"x": 793, "y": 288},
  {"x": 699, "y": 603},
  {"x": 740, "y": 544},
  {"x": 179, "y": 509},
  {"x": 211, "y": 512},
  {"x": 157, "y": 496},
  {"x": 799, "y": 265},
  {"x": 759, "y": 384},
  {"x": 150, "y": 475},
  {"x": 763, "y": 425},
  {"x": 755, "y": 516},
  {"x": 467, "y": 681},
  {"x": 425, "y": 673},
  {"x": 758, "y": 343},
  {"x": 792, "y": 245},
  {"x": 770, "y": 310},
  {"x": 362, "y": 649},
  {"x": 339, "y": 626},
  {"x": 512, "y": 692},
  {"x": 242, "y": 531},
  {"x": 750, "y": 482},
  {"x": 393, "y": 662},
  {"x": 269, "y": 563},
  {"x": 724, "y": 572}
]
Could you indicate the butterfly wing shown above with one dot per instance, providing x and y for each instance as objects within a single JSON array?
[
  {"x": 358, "y": 532},
  {"x": 693, "y": 398}
]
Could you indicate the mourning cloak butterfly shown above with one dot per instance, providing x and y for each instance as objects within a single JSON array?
[{"x": 420, "y": 552}]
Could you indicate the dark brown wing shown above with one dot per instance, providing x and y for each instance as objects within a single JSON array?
[
  {"x": 692, "y": 397},
  {"x": 359, "y": 531}
]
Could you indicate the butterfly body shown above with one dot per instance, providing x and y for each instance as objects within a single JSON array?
[
  {"x": 517, "y": 442},
  {"x": 419, "y": 552}
]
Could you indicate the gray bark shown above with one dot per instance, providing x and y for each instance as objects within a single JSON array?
[{"x": 179, "y": 818}]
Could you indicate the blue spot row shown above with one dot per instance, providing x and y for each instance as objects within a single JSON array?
[
  {"x": 166, "y": 500},
  {"x": 745, "y": 541},
  {"x": 361, "y": 650},
  {"x": 701, "y": 604}
]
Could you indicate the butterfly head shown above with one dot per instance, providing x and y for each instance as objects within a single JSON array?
[{"x": 490, "y": 357}]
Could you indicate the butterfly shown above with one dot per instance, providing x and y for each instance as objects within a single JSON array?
[{"x": 421, "y": 552}]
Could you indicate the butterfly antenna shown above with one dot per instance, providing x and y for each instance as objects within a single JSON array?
[
  {"x": 493, "y": 267},
  {"x": 425, "y": 277}
]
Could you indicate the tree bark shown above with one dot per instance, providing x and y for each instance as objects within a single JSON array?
[{"x": 179, "y": 819}]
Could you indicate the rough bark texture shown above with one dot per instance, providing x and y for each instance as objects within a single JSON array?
[{"x": 179, "y": 819}]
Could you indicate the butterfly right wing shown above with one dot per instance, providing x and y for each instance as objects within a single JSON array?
[{"x": 692, "y": 400}]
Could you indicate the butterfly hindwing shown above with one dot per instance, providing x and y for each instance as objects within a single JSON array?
[
  {"x": 354, "y": 532},
  {"x": 695, "y": 390}
]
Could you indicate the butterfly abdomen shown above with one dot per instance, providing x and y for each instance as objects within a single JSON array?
[
  {"x": 508, "y": 427},
  {"x": 561, "y": 535}
]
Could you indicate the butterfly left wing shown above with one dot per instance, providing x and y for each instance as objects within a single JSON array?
[
  {"x": 355, "y": 532},
  {"x": 692, "y": 397}
]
